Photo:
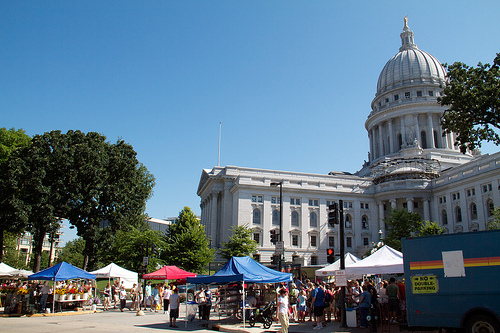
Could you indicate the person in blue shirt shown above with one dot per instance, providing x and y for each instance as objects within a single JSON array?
[
  {"x": 365, "y": 302},
  {"x": 318, "y": 303}
]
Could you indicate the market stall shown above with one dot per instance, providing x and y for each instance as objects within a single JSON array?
[
  {"x": 385, "y": 260},
  {"x": 61, "y": 272},
  {"x": 329, "y": 270},
  {"x": 244, "y": 270},
  {"x": 114, "y": 271}
]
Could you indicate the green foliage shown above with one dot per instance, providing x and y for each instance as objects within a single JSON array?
[
  {"x": 187, "y": 244},
  {"x": 131, "y": 245},
  {"x": 401, "y": 223},
  {"x": 13, "y": 213},
  {"x": 240, "y": 244},
  {"x": 472, "y": 97},
  {"x": 495, "y": 223},
  {"x": 98, "y": 186},
  {"x": 428, "y": 228},
  {"x": 72, "y": 252}
]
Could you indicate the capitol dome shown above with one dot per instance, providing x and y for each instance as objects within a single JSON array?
[{"x": 410, "y": 66}]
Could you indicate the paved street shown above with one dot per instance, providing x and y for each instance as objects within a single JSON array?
[{"x": 117, "y": 321}]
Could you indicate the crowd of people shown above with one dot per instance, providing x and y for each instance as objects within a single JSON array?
[{"x": 320, "y": 302}]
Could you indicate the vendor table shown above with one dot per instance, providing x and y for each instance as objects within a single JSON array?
[{"x": 59, "y": 303}]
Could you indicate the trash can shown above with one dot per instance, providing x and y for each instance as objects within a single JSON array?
[
  {"x": 350, "y": 314},
  {"x": 192, "y": 308}
]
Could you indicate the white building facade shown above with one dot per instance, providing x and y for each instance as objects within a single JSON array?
[{"x": 411, "y": 165}]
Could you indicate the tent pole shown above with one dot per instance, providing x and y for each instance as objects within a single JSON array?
[
  {"x": 243, "y": 308},
  {"x": 54, "y": 297}
]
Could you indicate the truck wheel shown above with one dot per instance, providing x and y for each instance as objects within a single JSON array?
[{"x": 482, "y": 324}]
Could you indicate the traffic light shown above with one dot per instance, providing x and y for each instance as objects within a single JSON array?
[
  {"x": 274, "y": 236},
  {"x": 330, "y": 256},
  {"x": 333, "y": 214}
]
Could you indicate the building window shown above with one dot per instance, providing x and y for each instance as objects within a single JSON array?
[
  {"x": 400, "y": 141},
  {"x": 419, "y": 93},
  {"x": 331, "y": 241},
  {"x": 407, "y": 94},
  {"x": 490, "y": 207},
  {"x": 256, "y": 257},
  {"x": 256, "y": 216},
  {"x": 314, "y": 260},
  {"x": 347, "y": 204},
  {"x": 364, "y": 205},
  {"x": 256, "y": 237},
  {"x": 396, "y": 97},
  {"x": 275, "y": 200},
  {"x": 295, "y": 240},
  {"x": 423, "y": 140},
  {"x": 436, "y": 141},
  {"x": 473, "y": 211},
  {"x": 431, "y": 93},
  {"x": 314, "y": 241},
  {"x": 295, "y": 218},
  {"x": 295, "y": 201},
  {"x": 471, "y": 192},
  {"x": 444, "y": 216},
  {"x": 348, "y": 241},
  {"x": 455, "y": 196},
  {"x": 458, "y": 214},
  {"x": 313, "y": 219},
  {"x": 487, "y": 188},
  {"x": 364, "y": 222},
  {"x": 365, "y": 241},
  {"x": 387, "y": 99},
  {"x": 257, "y": 198},
  {"x": 314, "y": 202},
  {"x": 348, "y": 223},
  {"x": 276, "y": 217}
]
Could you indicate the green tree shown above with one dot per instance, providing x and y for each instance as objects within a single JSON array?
[
  {"x": 72, "y": 252},
  {"x": 495, "y": 222},
  {"x": 187, "y": 244},
  {"x": 132, "y": 244},
  {"x": 472, "y": 97},
  {"x": 240, "y": 244},
  {"x": 401, "y": 223},
  {"x": 428, "y": 228},
  {"x": 13, "y": 213}
]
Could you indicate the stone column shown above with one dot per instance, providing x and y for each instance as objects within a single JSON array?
[
  {"x": 372, "y": 145},
  {"x": 391, "y": 136},
  {"x": 417, "y": 131},
  {"x": 427, "y": 216},
  {"x": 403, "y": 130},
  {"x": 431, "y": 129},
  {"x": 380, "y": 141},
  {"x": 381, "y": 224},
  {"x": 213, "y": 219},
  {"x": 409, "y": 203}
]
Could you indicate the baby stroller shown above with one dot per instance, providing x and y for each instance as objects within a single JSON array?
[{"x": 264, "y": 315}]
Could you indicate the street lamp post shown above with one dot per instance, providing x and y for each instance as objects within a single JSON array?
[{"x": 280, "y": 238}]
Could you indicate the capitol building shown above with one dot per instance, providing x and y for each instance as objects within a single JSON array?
[{"x": 411, "y": 165}]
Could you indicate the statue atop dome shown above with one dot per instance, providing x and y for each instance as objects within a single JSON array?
[{"x": 406, "y": 23}]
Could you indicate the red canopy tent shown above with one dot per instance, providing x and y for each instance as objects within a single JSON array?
[{"x": 168, "y": 273}]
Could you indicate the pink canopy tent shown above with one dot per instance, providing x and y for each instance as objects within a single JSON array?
[{"x": 168, "y": 273}]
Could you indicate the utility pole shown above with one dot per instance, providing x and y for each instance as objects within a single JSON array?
[{"x": 343, "y": 319}]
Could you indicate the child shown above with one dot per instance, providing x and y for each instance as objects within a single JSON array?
[{"x": 301, "y": 305}]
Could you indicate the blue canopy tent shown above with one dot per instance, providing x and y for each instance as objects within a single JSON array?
[
  {"x": 243, "y": 269},
  {"x": 60, "y": 272}
]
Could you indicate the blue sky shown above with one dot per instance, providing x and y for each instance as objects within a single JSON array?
[{"x": 291, "y": 81}]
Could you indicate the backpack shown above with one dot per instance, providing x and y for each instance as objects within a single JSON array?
[{"x": 328, "y": 297}]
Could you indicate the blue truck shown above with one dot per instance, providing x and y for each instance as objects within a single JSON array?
[{"x": 453, "y": 281}]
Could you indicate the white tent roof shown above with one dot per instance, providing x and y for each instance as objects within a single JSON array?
[
  {"x": 20, "y": 273},
  {"x": 330, "y": 269},
  {"x": 114, "y": 271},
  {"x": 5, "y": 269},
  {"x": 385, "y": 261}
]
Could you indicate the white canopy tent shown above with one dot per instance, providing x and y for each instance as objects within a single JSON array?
[
  {"x": 114, "y": 271},
  {"x": 330, "y": 269},
  {"x": 5, "y": 270},
  {"x": 385, "y": 261}
]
